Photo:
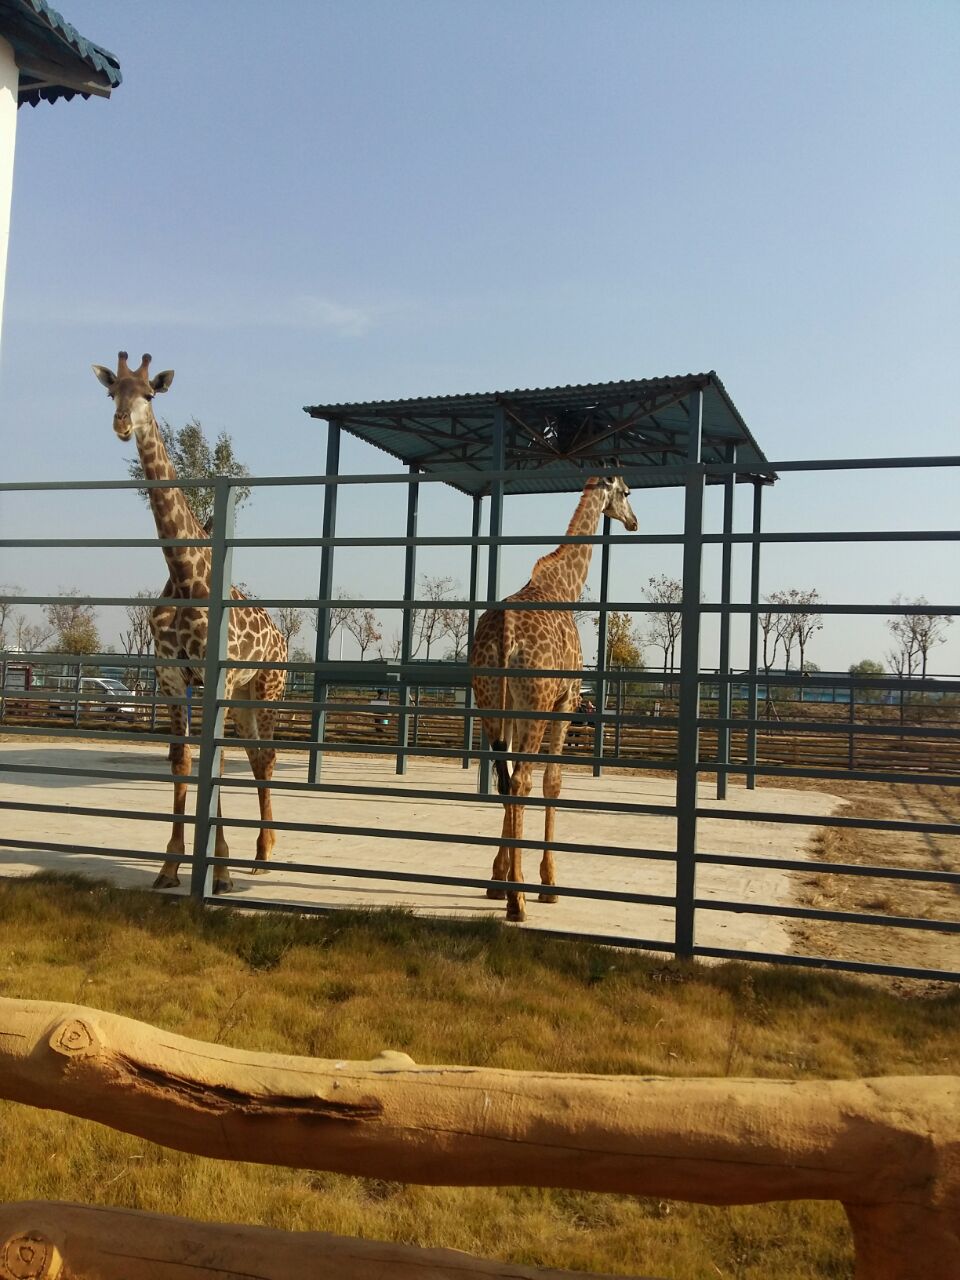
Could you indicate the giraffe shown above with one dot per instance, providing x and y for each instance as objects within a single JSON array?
[
  {"x": 182, "y": 632},
  {"x": 549, "y": 640}
]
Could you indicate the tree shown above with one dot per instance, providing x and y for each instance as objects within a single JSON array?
[
  {"x": 364, "y": 626},
  {"x": 915, "y": 634},
  {"x": 624, "y": 641},
  {"x": 73, "y": 626},
  {"x": 29, "y": 637},
  {"x": 195, "y": 459},
  {"x": 870, "y": 669},
  {"x": 289, "y": 620},
  {"x": 664, "y": 628},
  {"x": 799, "y": 625},
  {"x": 8, "y": 612},
  {"x": 432, "y": 622},
  {"x": 392, "y": 651},
  {"x": 138, "y": 637},
  {"x": 458, "y": 630}
]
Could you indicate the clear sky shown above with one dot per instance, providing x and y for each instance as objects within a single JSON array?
[{"x": 292, "y": 203}]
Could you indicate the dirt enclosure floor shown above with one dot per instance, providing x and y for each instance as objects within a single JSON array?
[{"x": 400, "y": 812}]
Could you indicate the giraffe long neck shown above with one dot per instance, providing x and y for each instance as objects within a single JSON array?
[
  {"x": 566, "y": 568},
  {"x": 172, "y": 514}
]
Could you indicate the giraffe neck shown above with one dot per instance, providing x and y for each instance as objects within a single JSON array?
[
  {"x": 172, "y": 514},
  {"x": 565, "y": 569}
]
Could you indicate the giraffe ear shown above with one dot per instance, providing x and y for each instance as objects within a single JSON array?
[
  {"x": 162, "y": 381},
  {"x": 106, "y": 376}
]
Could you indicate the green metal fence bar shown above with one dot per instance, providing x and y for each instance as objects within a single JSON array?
[{"x": 214, "y": 689}]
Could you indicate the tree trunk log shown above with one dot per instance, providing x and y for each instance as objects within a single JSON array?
[
  {"x": 887, "y": 1148},
  {"x": 54, "y": 1241}
]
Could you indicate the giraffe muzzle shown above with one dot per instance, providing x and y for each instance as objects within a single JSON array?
[{"x": 123, "y": 427}]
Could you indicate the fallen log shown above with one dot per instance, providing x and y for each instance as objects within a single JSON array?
[
  {"x": 888, "y": 1148},
  {"x": 57, "y": 1241}
]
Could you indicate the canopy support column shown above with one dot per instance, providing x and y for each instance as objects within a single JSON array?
[
  {"x": 321, "y": 655},
  {"x": 497, "y": 463},
  {"x": 468, "y": 720},
  {"x": 724, "y": 688},
  {"x": 688, "y": 736},
  {"x": 753, "y": 692},
  {"x": 602, "y": 662},
  {"x": 406, "y": 626}
]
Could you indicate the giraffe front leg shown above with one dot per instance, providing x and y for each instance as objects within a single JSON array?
[
  {"x": 502, "y": 861},
  {"x": 180, "y": 767},
  {"x": 263, "y": 771},
  {"x": 521, "y": 784},
  {"x": 551, "y": 790}
]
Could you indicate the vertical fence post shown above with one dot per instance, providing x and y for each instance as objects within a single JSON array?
[
  {"x": 688, "y": 737},
  {"x": 321, "y": 690},
  {"x": 753, "y": 700},
  {"x": 406, "y": 622},
  {"x": 497, "y": 463},
  {"x": 851, "y": 747},
  {"x": 468, "y": 720},
  {"x": 214, "y": 683},
  {"x": 602, "y": 655},
  {"x": 724, "y": 689}
]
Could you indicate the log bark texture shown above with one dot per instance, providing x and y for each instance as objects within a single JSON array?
[
  {"x": 888, "y": 1148},
  {"x": 55, "y": 1241}
]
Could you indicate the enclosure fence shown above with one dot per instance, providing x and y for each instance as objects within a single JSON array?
[{"x": 697, "y": 726}]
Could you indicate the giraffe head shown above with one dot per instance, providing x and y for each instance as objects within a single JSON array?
[
  {"x": 131, "y": 391},
  {"x": 617, "y": 502}
]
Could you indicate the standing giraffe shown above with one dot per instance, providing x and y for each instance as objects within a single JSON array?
[
  {"x": 182, "y": 632},
  {"x": 548, "y": 640}
]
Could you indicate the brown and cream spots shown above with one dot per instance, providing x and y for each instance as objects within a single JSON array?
[
  {"x": 180, "y": 632},
  {"x": 544, "y": 640}
]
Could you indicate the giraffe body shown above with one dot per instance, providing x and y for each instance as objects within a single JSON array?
[
  {"x": 180, "y": 632},
  {"x": 538, "y": 639}
]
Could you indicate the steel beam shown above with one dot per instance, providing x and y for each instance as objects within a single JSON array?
[
  {"x": 602, "y": 651},
  {"x": 752, "y": 690},
  {"x": 324, "y": 592},
  {"x": 688, "y": 737},
  {"x": 472, "y": 625},
  {"x": 725, "y": 689},
  {"x": 406, "y": 625},
  {"x": 497, "y": 464}
]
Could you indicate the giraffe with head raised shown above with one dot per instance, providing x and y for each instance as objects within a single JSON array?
[
  {"x": 530, "y": 640},
  {"x": 180, "y": 632}
]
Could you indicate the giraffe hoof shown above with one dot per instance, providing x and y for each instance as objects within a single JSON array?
[
  {"x": 260, "y": 871},
  {"x": 223, "y": 886},
  {"x": 517, "y": 915},
  {"x": 548, "y": 897},
  {"x": 166, "y": 882},
  {"x": 497, "y": 894}
]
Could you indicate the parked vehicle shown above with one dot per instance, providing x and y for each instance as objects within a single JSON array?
[{"x": 97, "y": 696}]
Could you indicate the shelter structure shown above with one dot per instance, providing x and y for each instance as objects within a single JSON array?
[{"x": 682, "y": 431}]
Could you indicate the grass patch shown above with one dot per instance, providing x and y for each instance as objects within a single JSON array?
[{"x": 350, "y": 984}]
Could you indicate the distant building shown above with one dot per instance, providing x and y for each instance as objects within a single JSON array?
[{"x": 42, "y": 58}]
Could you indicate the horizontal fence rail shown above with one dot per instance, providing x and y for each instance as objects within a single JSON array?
[{"x": 687, "y": 727}]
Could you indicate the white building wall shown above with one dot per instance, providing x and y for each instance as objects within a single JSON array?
[{"x": 9, "y": 83}]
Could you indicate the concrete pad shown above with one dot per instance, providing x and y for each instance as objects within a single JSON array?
[{"x": 461, "y": 813}]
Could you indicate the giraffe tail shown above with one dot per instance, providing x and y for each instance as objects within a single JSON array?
[{"x": 502, "y": 742}]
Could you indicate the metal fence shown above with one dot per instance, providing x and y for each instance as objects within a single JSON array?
[{"x": 696, "y": 738}]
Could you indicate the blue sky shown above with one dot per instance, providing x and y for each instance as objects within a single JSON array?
[{"x": 306, "y": 202}]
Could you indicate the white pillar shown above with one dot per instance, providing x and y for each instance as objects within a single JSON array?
[{"x": 9, "y": 84}]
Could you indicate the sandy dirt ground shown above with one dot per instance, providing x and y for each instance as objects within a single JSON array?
[{"x": 331, "y": 855}]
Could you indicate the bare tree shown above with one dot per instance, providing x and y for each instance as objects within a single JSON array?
[
  {"x": 798, "y": 625},
  {"x": 289, "y": 620},
  {"x": 664, "y": 628},
  {"x": 432, "y": 622},
  {"x": 915, "y": 634},
  {"x": 393, "y": 649},
  {"x": 30, "y": 637},
  {"x": 364, "y": 626},
  {"x": 458, "y": 629},
  {"x": 8, "y": 612}
]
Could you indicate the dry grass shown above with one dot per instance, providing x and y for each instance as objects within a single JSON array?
[
  {"x": 919, "y": 899},
  {"x": 351, "y": 984}
]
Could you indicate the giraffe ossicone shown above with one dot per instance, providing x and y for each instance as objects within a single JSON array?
[
  {"x": 180, "y": 631},
  {"x": 533, "y": 640}
]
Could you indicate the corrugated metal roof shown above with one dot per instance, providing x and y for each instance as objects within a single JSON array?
[
  {"x": 639, "y": 426},
  {"x": 54, "y": 59}
]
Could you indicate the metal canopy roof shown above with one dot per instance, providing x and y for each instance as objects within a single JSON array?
[
  {"x": 636, "y": 428},
  {"x": 53, "y": 58}
]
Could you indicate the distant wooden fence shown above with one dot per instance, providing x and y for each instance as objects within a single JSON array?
[
  {"x": 888, "y": 1149},
  {"x": 874, "y": 743}
]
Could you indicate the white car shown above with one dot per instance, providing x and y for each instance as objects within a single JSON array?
[{"x": 99, "y": 695}]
